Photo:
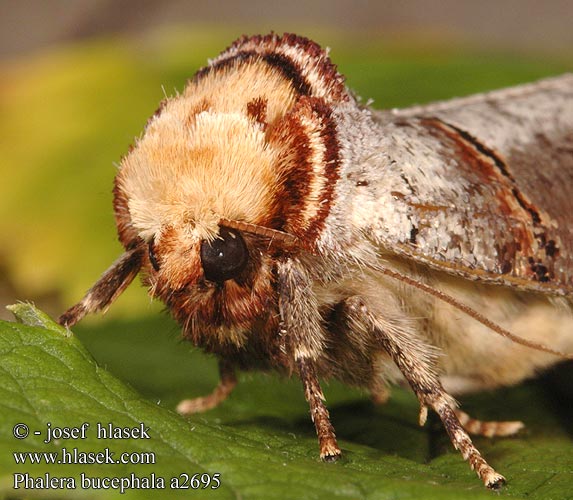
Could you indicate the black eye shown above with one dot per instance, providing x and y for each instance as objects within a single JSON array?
[
  {"x": 225, "y": 257},
  {"x": 152, "y": 256}
]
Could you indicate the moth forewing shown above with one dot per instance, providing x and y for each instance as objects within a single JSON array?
[
  {"x": 480, "y": 184},
  {"x": 287, "y": 227}
]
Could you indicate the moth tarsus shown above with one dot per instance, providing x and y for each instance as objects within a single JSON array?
[
  {"x": 329, "y": 450},
  {"x": 488, "y": 429},
  {"x": 288, "y": 227},
  {"x": 227, "y": 382}
]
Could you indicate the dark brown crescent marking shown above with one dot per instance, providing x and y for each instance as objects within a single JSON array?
[
  {"x": 300, "y": 169},
  {"x": 257, "y": 110},
  {"x": 285, "y": 65},
  {"x": 310, "y": 62}
]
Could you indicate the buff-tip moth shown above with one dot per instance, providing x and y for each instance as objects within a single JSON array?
[{"x": 288, "y": 227}]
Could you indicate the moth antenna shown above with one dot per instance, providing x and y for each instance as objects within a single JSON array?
[
  {"x": 273, "y": 234},
  {"x": 471, "y": 312}
]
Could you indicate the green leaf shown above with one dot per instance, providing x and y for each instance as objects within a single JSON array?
[
  {"x": 261, "y": 440},
  {"x": 32, "y": 316}
]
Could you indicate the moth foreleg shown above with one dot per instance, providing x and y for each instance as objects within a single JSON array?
[
  {"x": 227, "y": 383},
  {"x": 418, "y": 368},
  {"x": 303, "y": 340},
  {"x": 301, "y": 323},
  {"x": 111, "y": 284}
]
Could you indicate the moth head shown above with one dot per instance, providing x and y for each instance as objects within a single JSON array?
[{"x": 251, "y": 140}]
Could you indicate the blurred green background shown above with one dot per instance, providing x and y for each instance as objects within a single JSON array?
[{"x": 78, "y": 81}]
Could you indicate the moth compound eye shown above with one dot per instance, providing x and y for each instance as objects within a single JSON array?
[
  {"x": 152, "y": 256},
  {"x": 225, "y": 257}
]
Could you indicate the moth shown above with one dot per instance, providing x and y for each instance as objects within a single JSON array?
[{"x": 289, "y": 227}]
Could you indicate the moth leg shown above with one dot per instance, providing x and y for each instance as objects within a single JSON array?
[
  {"x": 379, "y": 393},
  {"x": 489, "y": 428},
  {"x": 227, "y": 383},
  {"x": 303, "y": 339},
  {"x": 329, "y": 450},
  {"x": 111, "y": 284},
  {"x": 418, "y": 368}
]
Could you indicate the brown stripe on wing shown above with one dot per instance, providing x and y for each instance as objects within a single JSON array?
[
  {"x": 498, "y": 161},
  {"x": 529, "y": 250}
]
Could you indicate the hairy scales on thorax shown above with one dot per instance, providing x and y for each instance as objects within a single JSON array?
[{"x": 288, "y": 227}]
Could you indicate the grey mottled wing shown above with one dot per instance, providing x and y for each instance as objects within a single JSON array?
[{"x": 479, "y": 186}]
